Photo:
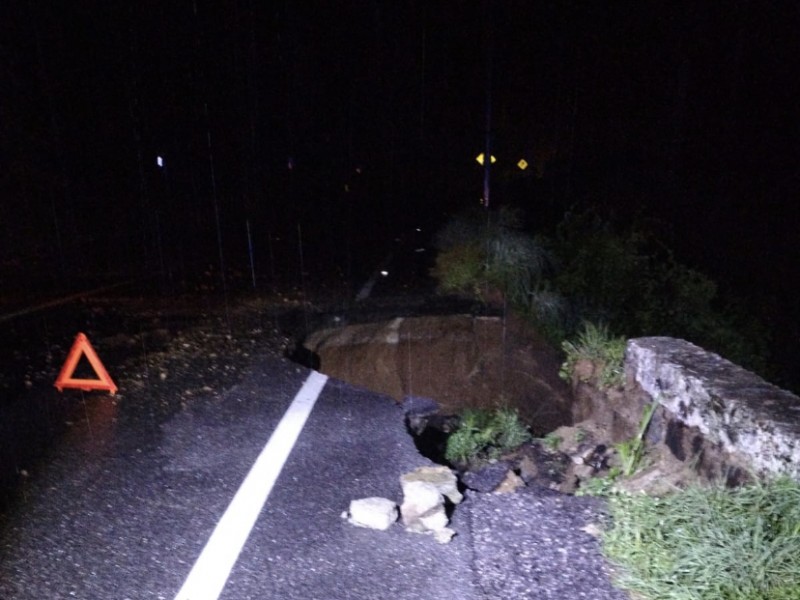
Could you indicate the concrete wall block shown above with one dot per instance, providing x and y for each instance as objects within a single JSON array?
[{"x": 732, "y": 407}]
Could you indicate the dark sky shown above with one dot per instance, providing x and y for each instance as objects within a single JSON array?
[{"x": 683, "y": 112}]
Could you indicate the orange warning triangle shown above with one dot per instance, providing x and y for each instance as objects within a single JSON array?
[{"x": 82, "y": 347}]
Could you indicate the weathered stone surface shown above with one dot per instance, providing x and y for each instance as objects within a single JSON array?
[
  {"x": 729, "y": 407},
  {"x": 460, "y": 361},
  {"x": 442, "y": 479},
  {"x": 374, "y": 513},
  {"x": 423, "y": 509}
]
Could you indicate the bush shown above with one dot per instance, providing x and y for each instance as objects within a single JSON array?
[
  {"x": 601, "y": 272},
  {"x": 592, "y": 271},
  {"x": 483, "y": 252},
  {"x": 634, "y": 284},
  {"x": 460, "y": 269},
  {"x": 485, "y": 433},
  {"x": 515, "y": 264}
]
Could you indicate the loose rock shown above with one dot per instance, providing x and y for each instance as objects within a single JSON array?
[
  {"x": 424, "y": 492},
  {"x": 442, "y": 478},
  {"x": 487, "y": 478},
  {"x": 374, "y": 513}
]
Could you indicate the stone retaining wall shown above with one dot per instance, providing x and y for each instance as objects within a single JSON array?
[{"x": 724, "y": 420}]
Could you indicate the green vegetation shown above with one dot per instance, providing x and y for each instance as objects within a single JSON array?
[
  {"x": 631, "y": 451},
  {"x": 596, "y": 345},
  {"x": 493, "y": 255},
  {"x": 485, "y": 433},
  {"x": 628, "y": 279},
  {"x": 709, "y": 544},
  {"x": 460, "y": 269},
  {"x": 592, "y": 271},
  {"x": 580, "y": 435},
  {"x": 600, "y": 486},
  {"x": 590, "y": 282}
]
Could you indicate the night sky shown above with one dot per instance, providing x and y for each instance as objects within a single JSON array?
[{"x": 355, "y": 120}]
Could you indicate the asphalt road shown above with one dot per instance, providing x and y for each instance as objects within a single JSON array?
[{"x": 126, "y": 504}]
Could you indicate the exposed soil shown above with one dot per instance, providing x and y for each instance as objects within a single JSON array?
[{"x": 459, "y": 361}]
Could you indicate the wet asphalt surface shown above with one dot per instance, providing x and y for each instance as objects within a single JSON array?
[{"x": 116, "y": 496}]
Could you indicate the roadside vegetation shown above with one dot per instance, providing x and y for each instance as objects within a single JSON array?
[
  {"x": 488, "y": 256},
  {"x": 485, "y": 434},
  {"x": 709, "y": 544},
  {"x": 596, "y": 345},
  {"x": 588, "y": 286},
  {"x": 590, "y": 276},
  {"x": 701, "y": 542}
]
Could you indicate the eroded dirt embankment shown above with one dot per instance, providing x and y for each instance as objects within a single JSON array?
[{"x": 460, "y": 361}]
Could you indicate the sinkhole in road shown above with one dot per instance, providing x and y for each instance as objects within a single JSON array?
[{"x": 452, "y": 361}]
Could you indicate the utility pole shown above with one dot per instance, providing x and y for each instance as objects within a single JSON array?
[{"x": 487, "y": 152}]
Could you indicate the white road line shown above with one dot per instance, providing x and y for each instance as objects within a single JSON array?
[{"x": 213, "y": 566}]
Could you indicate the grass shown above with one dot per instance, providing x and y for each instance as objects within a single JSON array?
[
  {"x": 485, "y": 432},
  {"x": 709, "y": 544},
  {"x": 600, "y": 486},
  {"x": 596, "y": 344},
  {"x": 631, "y": 451}
]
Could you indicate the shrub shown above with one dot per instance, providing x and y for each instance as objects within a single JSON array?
[
  {"x": 601, "y": 272},
  {"x": 515, "y": 264},
  {"x": 482, "y": 252},
  {"x": 459, "y": 269},
  {"x": 485, "y": 432},
  {"x": 593, "y": 271},
  {"x": 629, "y": 280}
]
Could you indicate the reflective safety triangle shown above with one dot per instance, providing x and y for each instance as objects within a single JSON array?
[{"x": 80, "y": 348}]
